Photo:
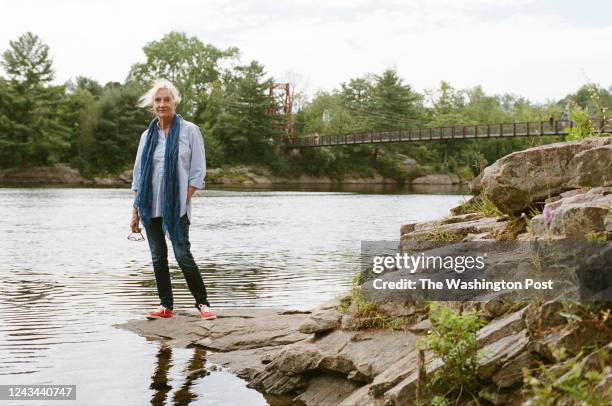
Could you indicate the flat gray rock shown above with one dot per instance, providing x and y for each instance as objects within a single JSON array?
[{"x": 241, "y": 339}]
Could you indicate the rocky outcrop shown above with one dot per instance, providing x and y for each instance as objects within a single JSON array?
[
  {"x": 244, "y": 339},
  {"x": 109, "y": 181},
  {"x": 259, "y": 175},
  {"x": 366, "y": 367},
  {"x": 439, "y": 179},
  {"x": 453, "y": 228},
  {"x": 475, "y": 185},
  {"x": 126, "y": 176},
  {"x": 330, "y": 355},
  {"x": 576, "y": 214},
  {"x": 408, "y": 163},
  {"x": 61, "y": 174},
  {"x": 321, "y": 322},
  {"x": 522, "y": 178}
]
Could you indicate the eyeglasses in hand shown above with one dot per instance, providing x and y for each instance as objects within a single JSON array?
[{"x": 136, "y": 237}]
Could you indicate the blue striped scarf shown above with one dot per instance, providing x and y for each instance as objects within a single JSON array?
[{"x": 172, "y": 201}]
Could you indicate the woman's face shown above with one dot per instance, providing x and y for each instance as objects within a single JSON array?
[{"x": 164, "y": 105}]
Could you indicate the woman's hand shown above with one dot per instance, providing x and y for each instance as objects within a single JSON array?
[
  {"x": 190, "y": 192},
  {"x": 135, "y": 221}
]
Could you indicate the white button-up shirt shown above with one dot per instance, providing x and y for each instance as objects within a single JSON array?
[{"x": 191, "y": 166}]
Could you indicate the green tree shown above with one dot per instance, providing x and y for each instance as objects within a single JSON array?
[
  {"x": 357, "y": 98},
  {"x": 245, "y": 128},
  {"x": 446, "y": 100},
  {"x": 341, "y": 121},
  {"x": 117, "y": 130},
  {"x": 85, "y": 83},
  {"x": 80, "y": 113},
  {"x": 12, "y": 133},
  {"x": 39, "y": 136},
  {"x": 27, "y": 61},
  {"x": 186, "y": 61},
  {"x": 394, "y": 104},
  {"x": 447, "y": 105}
]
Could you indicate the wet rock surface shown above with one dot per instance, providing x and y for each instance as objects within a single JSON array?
[{"x": 243, "y": 339}]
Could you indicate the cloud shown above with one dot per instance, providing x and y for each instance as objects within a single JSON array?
[{"x": 515, "y": 46}]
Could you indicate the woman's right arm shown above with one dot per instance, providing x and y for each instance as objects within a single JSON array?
[
  {"x": 135, "y": 182},
  {"x": 136, "y": 172}
]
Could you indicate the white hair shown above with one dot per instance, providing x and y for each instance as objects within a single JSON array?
[{"x": 148, "y": 98}]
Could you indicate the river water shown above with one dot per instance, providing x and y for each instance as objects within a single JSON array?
[{"x": 68, "y": 274}]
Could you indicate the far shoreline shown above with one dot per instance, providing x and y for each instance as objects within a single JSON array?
[{"x": 377, "y": 188}]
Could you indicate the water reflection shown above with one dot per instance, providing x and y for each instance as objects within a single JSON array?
[
  {"x": 159, "y": 380},
  {"x": 193, "y": 371}
]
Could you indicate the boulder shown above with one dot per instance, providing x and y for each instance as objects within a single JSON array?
[
  {"x": 511, "y": 372},
  {"x": 126, "y": 176},
  {"x": 503, "y": 360},
  {"x": 474, "y": 185},
  {"x": 245, "y": 363},
  {"x": 358, "y": 356},
  {"x": 454, "y": 228},
  {"x": 498, "y": 353},
  {"x": 574, "y": 340},
  {"x": 422, "y": 327},
  {"x": 507, "y": 325},
  {"x": 410, "y": 164},
  {"x": 407, "y": 228},
  {"x": 575, "y": 214},
  {"x": 321, "y": 322},
  {"x": 522, "y": 178},
  {"x": 404, "y": 393},
  {"x": 539, "y": 319},
  {"x": 361, "y": 397},
  {"x": 496, "y": 307},
  {"x": 398, "y": 371},
  {"x": 326, "y": 389}
]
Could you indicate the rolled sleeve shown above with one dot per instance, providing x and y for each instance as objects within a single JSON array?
[
  {"x": 197, "y": 168},
  {"x": 136, "y": 172}
]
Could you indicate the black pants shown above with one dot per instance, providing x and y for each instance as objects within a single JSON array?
[{"x": 182, "y": 253}]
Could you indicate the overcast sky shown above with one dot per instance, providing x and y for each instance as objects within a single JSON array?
[{"x": 541, "y": 49}]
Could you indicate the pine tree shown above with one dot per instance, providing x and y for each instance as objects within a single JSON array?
[
  {"x": 38, "y": 136},
  {"x": 246, "y": 129}
]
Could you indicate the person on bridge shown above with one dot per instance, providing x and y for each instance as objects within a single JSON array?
[
  {"x": 170, "y": 165},
  {"x": 565, "y": 113}
]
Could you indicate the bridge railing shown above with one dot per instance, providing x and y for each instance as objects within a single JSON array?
[{"x": 470, "y": 131}]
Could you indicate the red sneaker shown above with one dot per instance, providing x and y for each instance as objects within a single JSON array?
[
  {"x": 206, "y": 313},
  {"x": 162, "y": 313}
]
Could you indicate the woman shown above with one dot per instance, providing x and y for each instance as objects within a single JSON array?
[{"x": 170, "y": 165}]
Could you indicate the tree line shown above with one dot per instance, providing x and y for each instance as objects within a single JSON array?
[{"x": 95, "y": 128}]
